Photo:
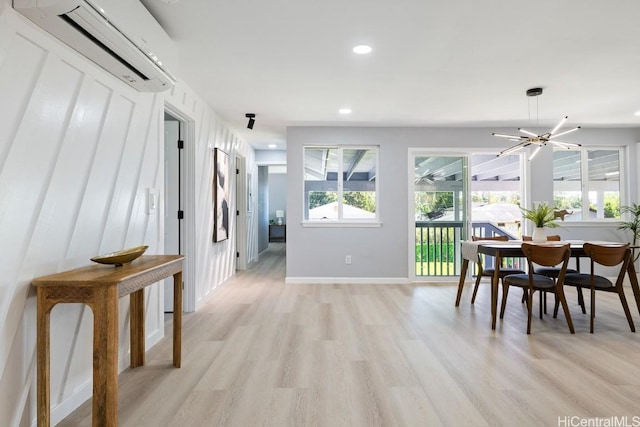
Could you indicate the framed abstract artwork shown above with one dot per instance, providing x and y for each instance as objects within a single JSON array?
[{"x": 221, "y": 183}]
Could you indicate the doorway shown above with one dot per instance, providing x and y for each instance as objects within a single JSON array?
[
  {"x": 173, "y": 196},
  {"x": 243, "y": 211}
]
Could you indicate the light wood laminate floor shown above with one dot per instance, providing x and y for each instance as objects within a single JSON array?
[{"x": 264, "y": 353}]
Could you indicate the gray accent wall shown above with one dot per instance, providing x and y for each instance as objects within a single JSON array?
[
  {"x": 381, "y": 253},
  {"x": 277, "y": 194}
]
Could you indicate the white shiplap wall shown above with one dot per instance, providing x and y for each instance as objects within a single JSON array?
[{"x": 78, "y": 150}]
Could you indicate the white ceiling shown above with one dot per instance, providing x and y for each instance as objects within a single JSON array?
[{"x": 434, "y": 62}]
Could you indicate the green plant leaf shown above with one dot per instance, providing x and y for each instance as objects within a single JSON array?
[{"x": 541, "y": 215}]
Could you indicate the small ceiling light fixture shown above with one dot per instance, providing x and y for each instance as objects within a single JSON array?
[
  {"x": 535, "y": 139},
  {"x": 637, "y": 113},
  {"x": 344, "y": 111},
  {"x": 272, "y": 146},
  {"x": 252, "y": 120},
  {"x": 362, "y": 49}
]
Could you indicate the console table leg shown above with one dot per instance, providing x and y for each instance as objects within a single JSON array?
[
  {"x": 105, "y": 357},
  {"x": 177, "y": 319},
  {"x": 42, "y": 360},
  {"x": 136, "y": 327}
]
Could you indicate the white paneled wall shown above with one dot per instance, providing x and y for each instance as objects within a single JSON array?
[{"x": 78, "y": 149}]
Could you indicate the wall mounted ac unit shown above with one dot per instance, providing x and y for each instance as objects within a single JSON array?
[{"x": 119, "y": 35}]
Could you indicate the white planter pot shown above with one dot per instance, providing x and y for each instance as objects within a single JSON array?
[{"x": 539, "y": 235}]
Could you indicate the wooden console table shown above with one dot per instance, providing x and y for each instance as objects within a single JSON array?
[{"x": 100, "y": 287}]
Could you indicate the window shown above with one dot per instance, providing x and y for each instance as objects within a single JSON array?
[
  {"x": 586, "y": 183},
  {"x": 340, "y": 184}
]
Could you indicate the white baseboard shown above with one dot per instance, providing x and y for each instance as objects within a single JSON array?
[
  {"x": 348, "y": 280},
  {"x": 84, "y": 392}
]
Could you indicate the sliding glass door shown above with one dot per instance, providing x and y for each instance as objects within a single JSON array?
[{"x": 440, "y": 213}]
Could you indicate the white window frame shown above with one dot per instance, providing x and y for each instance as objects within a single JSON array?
[
  {"x": 584, "y": 179},
  {"x": 340, "y": 221}
]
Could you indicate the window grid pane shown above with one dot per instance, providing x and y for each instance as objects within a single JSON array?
[
  {"x": 589, "y": 194},
  {"x": 340, "y": 183}
]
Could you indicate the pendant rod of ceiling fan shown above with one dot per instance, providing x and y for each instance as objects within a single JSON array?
[{"x": 537, "y": 124}]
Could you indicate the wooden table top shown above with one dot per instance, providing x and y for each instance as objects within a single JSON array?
[{"x": 105, "y": 275}]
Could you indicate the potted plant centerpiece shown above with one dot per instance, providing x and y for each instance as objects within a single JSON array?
[{"x": 542, "y": 217}]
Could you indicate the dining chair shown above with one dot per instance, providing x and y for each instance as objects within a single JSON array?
[
  {"x": 489, "y": 272},
  {"x": 540, "y": 255},
  {"x": 608, "y": 256},
  {"x": 553, "y": 273}
]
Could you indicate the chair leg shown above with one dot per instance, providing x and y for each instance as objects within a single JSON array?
[
  {"x": 593, "y": 310},
  {"x": 565, "y": 308},
  {"x": 505, "y": 293},
  {"x": 463, "y": 273},
  {"x": 529, "y": 310},
  {"x": 625, "y": 306},
  {"x": 475, "y": 289},
  {"x": 541, "y": 297},
  {"x": 581, "y": 300}
]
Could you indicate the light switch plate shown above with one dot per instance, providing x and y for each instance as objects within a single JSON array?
[{"x": 152, "y": 200}]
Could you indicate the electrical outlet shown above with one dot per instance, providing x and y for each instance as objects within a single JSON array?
[{"x": 347, "y": 259}]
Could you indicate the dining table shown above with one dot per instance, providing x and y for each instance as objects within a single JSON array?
[{"x": 513, "y": 248}]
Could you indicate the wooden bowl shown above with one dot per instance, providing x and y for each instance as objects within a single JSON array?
[{"x": 120, "y": 258}]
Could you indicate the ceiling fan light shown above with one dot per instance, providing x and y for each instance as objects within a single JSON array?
[
  {"x": 566, "y": 144},
  {"x": 512, "y": 149},
  {"x": 566, "y": 132},
  {"x": 512, "y": 137},
  {"x": 559, "y": 125},
  {"x": 537, "y": 139},
  {"x": 527, "y": 132},
  {"x": 535, "y": 153}
]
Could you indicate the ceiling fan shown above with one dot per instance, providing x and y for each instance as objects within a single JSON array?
[{"x": 530, "y": 138}]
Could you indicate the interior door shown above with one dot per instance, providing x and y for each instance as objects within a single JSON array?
[{"x": 172, "y": 202}]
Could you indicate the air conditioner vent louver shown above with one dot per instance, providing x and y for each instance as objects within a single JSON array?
[
  {"x": 101, "y": 45},
  {"x": 122, "y": 37}
]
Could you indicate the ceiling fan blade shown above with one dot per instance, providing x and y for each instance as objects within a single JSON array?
[
  {"x": 535, "y": 153},
  {"x": 528, "y": 132},
  {"x": 514, "y": 148},
  {"x": 559, "y": 125},
  {"x": 565, "y": 132},
  {"x": 512, "y": 137},
  {"x": 566, "y": 144}
]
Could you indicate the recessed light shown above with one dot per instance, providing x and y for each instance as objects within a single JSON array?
[
  {"x": 273, "y": 146},
  {"x": 344, "y": 111},
  {"x": 637, "y": 113},
  {"x": 362, "y": 49}
]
